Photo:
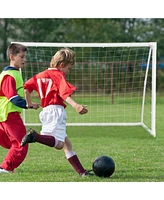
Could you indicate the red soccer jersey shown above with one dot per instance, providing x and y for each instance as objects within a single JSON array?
[
  {"x": 8, "y": 87},
  {"x": 51, "y": 86}
]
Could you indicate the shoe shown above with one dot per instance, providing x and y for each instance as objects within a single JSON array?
[
  {"x": 29, "y": 137},
  {"x": 3, "y": 171},
  {"x": 87, "y": 173}
]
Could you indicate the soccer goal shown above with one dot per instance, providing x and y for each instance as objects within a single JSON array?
[{"x": 117, "y": 81}]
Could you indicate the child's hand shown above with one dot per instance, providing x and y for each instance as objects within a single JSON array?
[
  {"x": 81, "y": 109},
  {"x": 34, "y": 105}
]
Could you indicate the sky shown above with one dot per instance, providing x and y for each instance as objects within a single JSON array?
[{"x": 81, "y": 9}]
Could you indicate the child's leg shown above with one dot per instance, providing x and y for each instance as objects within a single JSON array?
[
  {"x": 52, "y": 119},
  {"x": 46, "y": 139},
  {"x": 50, "y": 140},
  {"x": 15, "y": 132},
  {"x": 72, "y": 157},
  {"x": 4, "y": 140}
]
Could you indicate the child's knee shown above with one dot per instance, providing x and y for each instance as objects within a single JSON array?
[
  {"x": 60, "y": 145},
  {"x": 24, "y": 150}
]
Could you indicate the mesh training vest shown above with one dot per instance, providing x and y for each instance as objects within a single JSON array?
[{"x": 6, "y": 106}]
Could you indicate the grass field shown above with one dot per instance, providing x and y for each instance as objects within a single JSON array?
[
  {"x": 138, "y": 156},
  {"x": 101, "y": 110}
]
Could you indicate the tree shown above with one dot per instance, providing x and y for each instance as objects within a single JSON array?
[{"x": 91, "y": 30}]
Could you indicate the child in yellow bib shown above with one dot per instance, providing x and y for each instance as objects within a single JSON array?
[{"x": 12, "y": 129}]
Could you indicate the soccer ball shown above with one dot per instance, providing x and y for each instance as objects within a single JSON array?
[{"x": 103, "y": 166}]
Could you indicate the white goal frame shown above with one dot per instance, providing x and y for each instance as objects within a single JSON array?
[{"x": 153, "y": 47}]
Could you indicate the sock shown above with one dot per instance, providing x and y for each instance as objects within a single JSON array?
[
  {"x": 47, "y": 140},
  {"x": 74, "y": 161}
]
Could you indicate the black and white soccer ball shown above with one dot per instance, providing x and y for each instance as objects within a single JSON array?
[{"x": 103, "y": 166}]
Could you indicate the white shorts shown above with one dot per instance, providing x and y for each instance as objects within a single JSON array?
[{"x": 53, "y": 119}]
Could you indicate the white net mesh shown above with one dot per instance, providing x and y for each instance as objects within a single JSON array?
[{"x": 109, "y": 80}]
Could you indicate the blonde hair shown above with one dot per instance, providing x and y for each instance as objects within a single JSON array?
[{"x": 65, "y": 55}]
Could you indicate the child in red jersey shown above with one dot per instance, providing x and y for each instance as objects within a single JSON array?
[
  {"x": 12, "y": 129},
  {"x": 53, "y": 90}
]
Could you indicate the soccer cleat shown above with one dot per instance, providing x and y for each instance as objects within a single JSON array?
[
  {"x": 87, "y": 173},
  {"x": 4, "y": 171},
  {"x": 29, "y": 137}
]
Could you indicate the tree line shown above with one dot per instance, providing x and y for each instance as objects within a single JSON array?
[
  {"x": 80, "y": 30},
  {"x": 84, "y": 30}
]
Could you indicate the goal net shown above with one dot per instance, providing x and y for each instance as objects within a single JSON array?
[{"x": 117, "y": 82}]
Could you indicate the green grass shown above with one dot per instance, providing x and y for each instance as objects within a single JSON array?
[
  {"x": 102, "y": 110},
  {"x": 138, "y": 156}
]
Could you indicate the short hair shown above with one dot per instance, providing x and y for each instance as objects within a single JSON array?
[
  {"x": 15, "y": 48},
  {"x": 65, "y": 55}
]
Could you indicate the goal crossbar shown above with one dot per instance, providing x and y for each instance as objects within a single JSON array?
[{"x": 40, "y": 44}]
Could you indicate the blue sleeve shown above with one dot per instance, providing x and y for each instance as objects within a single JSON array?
[{"x": 18, "y": 101}]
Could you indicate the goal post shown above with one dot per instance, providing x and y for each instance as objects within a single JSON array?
[{"x": 117, "y": 81}]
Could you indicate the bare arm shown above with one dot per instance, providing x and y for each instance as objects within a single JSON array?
[
  {"x": 81, "y": 109},
  {"x": 30, "y": 104}
]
